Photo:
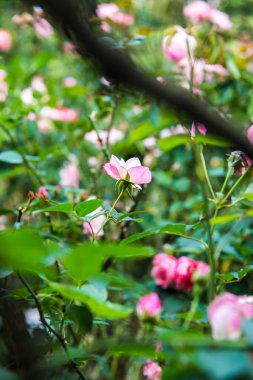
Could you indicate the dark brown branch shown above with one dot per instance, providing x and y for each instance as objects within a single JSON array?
[{"x": 71, "y": 17}]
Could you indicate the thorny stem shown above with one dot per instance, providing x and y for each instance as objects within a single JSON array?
[
  {"x": 205, "y": 172},
  {"x": 48, "y": 327}
]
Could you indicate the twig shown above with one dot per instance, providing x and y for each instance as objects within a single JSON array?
[{"x": 48, "y": 327}]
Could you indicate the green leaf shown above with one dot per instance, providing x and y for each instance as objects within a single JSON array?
[
  {"x": 138, "y": 236},
  {"x": 133, "y": 350},
  {"x": 66, "y": 208},
  {"x": 212, "y": 140},
  {"x": 84, "y": 295},
  {"x": 174, "y": 229},
  {"x": 223, "y": 219},
  {"x": 23, "y": 250},
  {"x": 173, "y": 142},
  {"x": 83, "y": 262},
  {"x": 85, "y": 208},
  {"x": 11, "y": 157}
]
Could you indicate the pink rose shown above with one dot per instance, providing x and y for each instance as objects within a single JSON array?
[
  {"x": 200, "y": 11},
  {"x": 221, "y": 20},
  {"x": 250, "y": 134},
  {"x": 152, "y": 371},
  {"x": 5, "y": 41},
  {"x": 226, "y": 314},
  {"x": 183, "y": 273},
  {"x": 130, "y": 171},
  {"x": 197, "y": 11},
  {"x": 22, "y": 19},
  {"x": 149, "y": 306},
  {"x": 163, "y": 269},
  {"x": 175, "y": 48},
  {"x": 107, "y": 10},
  {"x": 110, "y": 11},
  {"x": 69, "y": 176}
]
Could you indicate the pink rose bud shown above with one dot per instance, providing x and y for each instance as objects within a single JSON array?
[
  {"x": 163, "y": 270},
  {"x": 43, "y": 192},
  {"x": 250, "y": 134},
  {"x": 239, "y": 161},
  {"x": 226, "y": 314},
  {"x": 149, "y": 306},
  {"x": 5, "y": 41},
  {"x": 130, "y": 171},
  {"x": 152, "y": 371},
  {"x": 176, "y": 47},
  {"x": 201, "y": 273}
]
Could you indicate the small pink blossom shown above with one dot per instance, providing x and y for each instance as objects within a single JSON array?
[
  {"x": 45, "y": 125},
  {"x": 32, "y": 116},
  {"x": 38, "y": 84},
  {"x": 43, "y": 192},
  {"x": 200, "y": 11},
  {"x": 149, "y": 306},
  {"x": 66, "y": 115},
  {"x": 176, "y": 47},
  {"x": 221, "y": 20},
  {"x": 226, "y": 314},
  {"x": 69, "y": 82},
  {"x": 41, "y": 26},
  {"x": 152, "y": 371},
  {"x": 201, "y": 129},
  {"x": 69, "y": 175},
  {"x": 27, "y": 97},
  {"x": 5, "y": 41},
  {"x": 197, "y": 11},
  {"x": 94, "y": 226},
  {"x": 110, "y": 11},
  {"x": 131, "y": 171},
  {"x": 163, "y": 269},
  {"x": 3, "y": 86},
  {"x": 250, "y": 134},
  {"x": 115, "y": 135}
]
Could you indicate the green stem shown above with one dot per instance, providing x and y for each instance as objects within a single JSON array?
[
  {"x": 194, "y": 306},
  {"x": 234, "y": 187},
  {"x": 229, "y": 172},
  {"x": 109, "y": 213}
]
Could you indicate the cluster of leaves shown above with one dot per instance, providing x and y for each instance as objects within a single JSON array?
[{"x": 83, "y": 291}]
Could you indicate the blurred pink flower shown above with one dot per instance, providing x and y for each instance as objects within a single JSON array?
[
  {"x": 43, "y": 192},
  {"x": 95, "y": 224},
  {"x": 115, "y": 135},
  {"x": 5, "y": 41},
  {"x": 131, "y": 171},
  {"x": 202, "y": 71},
  {"x": 152, "y": 371},
  {"x": 250, "y": 134},
  {"x": 149, "y": 306},
  {"x": 163, "y": 269},
  {"x": 110, "y": 11},
  {"x": 175, "y": 48},
  {"x": 41, "y": 26},
  {"x": 45, "y": 125},
  {"x": 183, "y": 273},
  {"x": 69, "y": 82},
  {"x": 69, "y": 175},
  {"x": 226, "y": 314},
  {"x": 22, "y": 19},
  {"x": 197, "y": 11},
  {"x": 3, "y": 86},
  {"x": 200, "y": 11},
  {"x": 26, "y": 96},
  {"x": 59, "y": 114},
  {"x": 221, "y": 20},
  {"x": 38, "y": 84},
  {"x": 201, "y": 129},
  {"x": 68, "y": 47},
  {"x": 177, "y": 273}
]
